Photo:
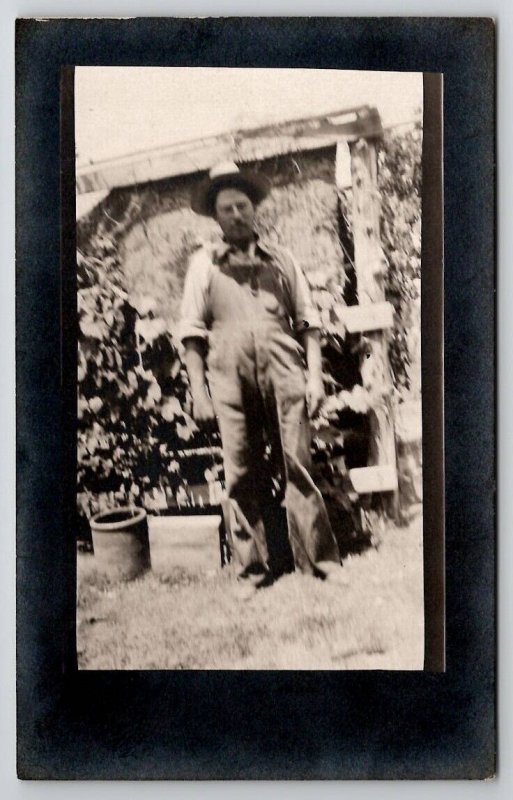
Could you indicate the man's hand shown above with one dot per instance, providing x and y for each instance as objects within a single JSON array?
[
  {"x": 314, "y": 395},
  {"x": 202, "y": 409}
]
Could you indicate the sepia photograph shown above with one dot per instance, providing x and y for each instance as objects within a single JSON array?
[
  {"x": 249, "y": 400},
  {"x": 255, "y": 382}
]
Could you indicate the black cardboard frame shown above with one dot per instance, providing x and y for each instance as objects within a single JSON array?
[{"x": 232, "y": 725}]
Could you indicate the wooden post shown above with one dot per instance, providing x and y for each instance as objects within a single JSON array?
[
  {"x": 370, "y": 267},
  {"x": 370, "y": 261}
]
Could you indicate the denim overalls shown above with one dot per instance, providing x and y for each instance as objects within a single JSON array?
[{"x": 257, "y": 381}]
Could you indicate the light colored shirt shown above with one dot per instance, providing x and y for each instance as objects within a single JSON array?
[{"x": 195, "y": 307}]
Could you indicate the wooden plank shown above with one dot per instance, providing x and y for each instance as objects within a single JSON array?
[
  {"x": 184, "y": 158},
  {"x": 370, "y": 262},
  {"x": 364, "y": 121},
  {"x": 366, "y": 480},
  {"x": 357, "y": 319},
  {"x": 343, "y": 178}
]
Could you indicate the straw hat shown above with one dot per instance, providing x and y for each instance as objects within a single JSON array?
[{"x": 224, "y": 176}]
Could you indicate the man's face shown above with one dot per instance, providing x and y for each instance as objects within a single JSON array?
[{"x": 235, "y": 213}]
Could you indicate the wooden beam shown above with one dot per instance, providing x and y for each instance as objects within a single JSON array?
[
  {"x": 343, "y": 178},
  {"x": 357, "y": 319},
  {"x": 189, "y": 157},
  {"x": 370, "y": 261},
  {"x": 370, "y": 268},
  {"x": 367, "y": 480}
]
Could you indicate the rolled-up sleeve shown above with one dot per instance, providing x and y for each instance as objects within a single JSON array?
[
  {"x": 305, "y": 314},
  {"x": 194, "y": 311}
]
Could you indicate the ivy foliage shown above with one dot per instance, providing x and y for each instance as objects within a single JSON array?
[
  {"x": 133, "y": 408},
  {"x": 400, "y": 185}
]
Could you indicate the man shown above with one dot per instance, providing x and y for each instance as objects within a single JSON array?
[{"x": 248, "y": 315}]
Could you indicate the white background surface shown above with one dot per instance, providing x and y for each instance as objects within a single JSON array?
[{"x": 9, "y": 786}]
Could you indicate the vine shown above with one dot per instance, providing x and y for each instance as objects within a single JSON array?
[{"x": 133, "y": 405}]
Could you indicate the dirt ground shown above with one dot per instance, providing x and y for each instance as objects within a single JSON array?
[{"x": 181, "y": 619}]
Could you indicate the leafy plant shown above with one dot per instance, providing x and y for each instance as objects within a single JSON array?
[
  {"x": 400, "y": 185},
  {"x": 133, "y": 406}
]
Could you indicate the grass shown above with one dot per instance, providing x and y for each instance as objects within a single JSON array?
[{"x": 181, "y": 619}]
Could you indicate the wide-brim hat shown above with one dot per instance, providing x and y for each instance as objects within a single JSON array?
[{"x": 225, "y": 176}]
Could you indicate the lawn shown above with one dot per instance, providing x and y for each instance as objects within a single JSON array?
[{"x": 181, "y": 619}]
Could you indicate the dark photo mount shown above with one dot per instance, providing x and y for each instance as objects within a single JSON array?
[{"x": 229, "y": 725}]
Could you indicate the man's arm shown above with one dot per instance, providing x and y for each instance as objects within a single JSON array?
[
  {"x": 202, "y": 408},
  {"x": 314, "y": 384},
  {"x": 194, "y": 333},
  {"x": 307, "y": 323}
]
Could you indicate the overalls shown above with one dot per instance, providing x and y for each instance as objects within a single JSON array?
[{"x": 257, "y": 382}]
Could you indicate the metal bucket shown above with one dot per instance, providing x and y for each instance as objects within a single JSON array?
[{"x": 121, "y": 543}]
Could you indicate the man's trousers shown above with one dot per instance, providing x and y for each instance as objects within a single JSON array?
[{"x": 258, "y": 386}]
